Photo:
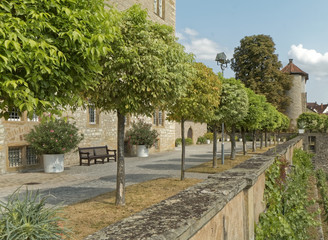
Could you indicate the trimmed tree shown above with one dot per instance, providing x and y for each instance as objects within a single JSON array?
[
  {"x": 49, "y": 52},
  {"x": 233, "y": 107},
  {"x": 147, "y": 69},
  {"x": 256, "y": 65},
  {"x": 198, "y": 104}
]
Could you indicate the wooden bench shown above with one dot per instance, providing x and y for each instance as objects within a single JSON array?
[{"x": 94, "y": 153}]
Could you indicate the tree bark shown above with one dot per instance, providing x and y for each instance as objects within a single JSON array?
[
  {"x": 265, "y": 138},
  {"x": 215, "y": 146},
  {"x": 243, "y": 136},
  {"x": 120, "y": 177},
  {"x": 261, "y": 140},
  {"x": 254, "y": 141},
  {"x": 183, "y": 151},
  {"x": 233, "y": 142}
]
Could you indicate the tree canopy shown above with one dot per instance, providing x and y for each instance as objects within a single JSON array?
[
  {"x": 257, "y": 66},
  {"x": 49, "y": 52}
]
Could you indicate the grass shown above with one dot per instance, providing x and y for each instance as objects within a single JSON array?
[{"x": 89, "y": 216}]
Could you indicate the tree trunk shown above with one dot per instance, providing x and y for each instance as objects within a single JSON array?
[
  {"x": 233, "y": 142},
  {"x": 120, "y": 177},
  {"x": 243, "y": 136},
  {"x": 183, "y": 152},
  {"x": 265, "y": 138},
  {"x": 261, "y": 140},
  {"x": 254, "y": 141},
  {"x": 215, "y": 146}
]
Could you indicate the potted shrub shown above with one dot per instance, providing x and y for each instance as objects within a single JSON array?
[
  {"x": 143, "y": 136},
  {"x": 209, "y": 137},
  {"x": 52, "y": 139}
]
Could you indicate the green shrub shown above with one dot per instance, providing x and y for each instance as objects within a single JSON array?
[
  {"x": 287, "y": 200},
  {"x": 54, "y": 137},
  {"x": 141, "y": 134},
  {"x": 209, "y": 136},
  {"x": 201, "y": 140},
  {"x": 189, "y": 141},
  {"x": 178, "y": 142},
  {"x": 26, "y": 217}
]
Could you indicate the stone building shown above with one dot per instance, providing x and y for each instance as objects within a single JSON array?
[
  {"x": 98, "y": 128},
  {"x": 297, "y": 93}
]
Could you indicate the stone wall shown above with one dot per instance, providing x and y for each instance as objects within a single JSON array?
[
  {"x": 168, "y": 17},
  {"x": 226, "y": 206},
  {"x": 317, "y": 144},
  {"x": 197, "y": 130}
]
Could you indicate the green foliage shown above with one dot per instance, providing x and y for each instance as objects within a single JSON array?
[
  {"x": 233, "y": 103},
  {"x": 287, "y": 201},
  {"x": 201, "y": 140},
  {"x": 141, "y": 134},
  {"x": 323, "y": 189},
  {"x": 54, "y": 137},
  {"x": 26, "y": 218},
  {"x": 257, "y": 66},
  {"x": 49, "y": 52},
  {"x": 209, "y": 136},
  {"x": 147, "y": 68},
  {"x": 312, "y": 122},
  {"x": 178, "y": 142},
  {"x": 201, "y": 99},
  {"x": 189, "y": 141}
]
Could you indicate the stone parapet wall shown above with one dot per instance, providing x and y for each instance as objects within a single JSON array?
[{"x": 225, "y": 206}]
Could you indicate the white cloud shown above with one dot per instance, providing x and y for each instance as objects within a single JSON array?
[
  {"x": 310, "y": 61},
  {"x": 191, "y": 32},
  {"x": 202, "y": 48}
]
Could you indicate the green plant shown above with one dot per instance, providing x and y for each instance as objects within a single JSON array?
[
  {"x": 209, "y": 136},
  {"x": 26, "y": 217},
  {"x": 178, "y": 142},
  {"x": 201, "y": 140},
  {"x": 141, "y": 134},
  {"x": 54, "y": 137},
  {"x": 188, "y": 141},
  {"x": 287, "y": 201}
]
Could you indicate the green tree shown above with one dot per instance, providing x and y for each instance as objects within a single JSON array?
[
  {"x": 49, "y": 52},
  {"x": 147, "y": 69},
  {"x": 233, "y": 107},
  {"x": 312, "y": 122},
  {"x": 257, "y": 66},
  {"x": 198, "y": 104},
  {"x": 253, "y": 119}
]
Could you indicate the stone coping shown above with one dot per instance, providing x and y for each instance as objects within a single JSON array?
[{"x": 184, "y": 214}]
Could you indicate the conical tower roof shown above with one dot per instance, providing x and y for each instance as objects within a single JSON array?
[{"x": 291, "y": 68}]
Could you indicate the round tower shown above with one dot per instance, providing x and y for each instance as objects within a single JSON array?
[{"x": 297, "y": 92}]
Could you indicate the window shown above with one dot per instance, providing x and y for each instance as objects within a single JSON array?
[
  {"x": 158, "y": 118},
  {"x": 22, "y": 156},
  {"x": 158, "y": 8},
  {"x": 14, "y": 115},
  {"x": 92, "y": 114},
  {"x": 15, "y": 156}
]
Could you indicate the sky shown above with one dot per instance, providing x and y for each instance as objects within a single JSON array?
[{"x": 299, "y": 29}]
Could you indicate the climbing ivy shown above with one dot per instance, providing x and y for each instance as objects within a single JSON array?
[{"x": 286, "y": 217}]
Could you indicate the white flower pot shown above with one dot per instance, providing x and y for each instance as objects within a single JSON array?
[
  {"x": 53, "y": 163},
  {"x": 142, "y": 151},
  {"x": 208, "y": 141},
  {"x": 301, "y": 131}
]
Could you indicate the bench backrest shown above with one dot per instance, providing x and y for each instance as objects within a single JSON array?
[{"x": 94, "y": 151}]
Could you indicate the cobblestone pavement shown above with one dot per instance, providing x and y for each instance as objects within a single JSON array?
[{"x": 78, "y": 183}]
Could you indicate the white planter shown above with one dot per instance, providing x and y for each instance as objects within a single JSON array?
[
  {"x": 53, "y": 163},
  {"x": 208, "y": 141},
  {"x": 142, "y": 151},
  {"x": 301, "y": 131}
]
